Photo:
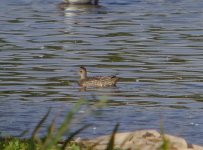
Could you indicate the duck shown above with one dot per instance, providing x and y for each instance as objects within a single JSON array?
[
  {"x": 82, "y": 1},
  {"x": 97, "y": 81}
]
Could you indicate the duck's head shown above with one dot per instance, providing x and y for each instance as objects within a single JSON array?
[{"x": 83, "y": 73}]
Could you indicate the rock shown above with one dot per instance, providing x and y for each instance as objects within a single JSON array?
[{"x": 140, "y": 140}]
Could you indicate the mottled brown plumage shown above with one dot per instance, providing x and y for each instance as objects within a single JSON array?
[{"x": 100, "y": 81}]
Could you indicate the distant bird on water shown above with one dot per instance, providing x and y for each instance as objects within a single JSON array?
[
  {"x": 82, "y": 1},
  {"x": 98, "y": 81}
]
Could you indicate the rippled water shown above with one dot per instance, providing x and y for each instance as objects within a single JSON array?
[{"x": 155, "y": 46}]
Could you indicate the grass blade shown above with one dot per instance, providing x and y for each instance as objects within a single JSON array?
[
  {"x": 110, "y": 145},
  {"x": 64, "y": 127},
  {"x": 32, "y": 144},
  {"x": 22, "y": 133},
  {"x": 36, "y": 130},
  {"x": 73, "y": 135},
  {"x": 50, "y": 135}
]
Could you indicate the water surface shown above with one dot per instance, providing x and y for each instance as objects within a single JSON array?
[{"x": 155, "y": 46}]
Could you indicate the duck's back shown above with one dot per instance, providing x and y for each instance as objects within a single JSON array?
[{"x": 99, "y": 81}]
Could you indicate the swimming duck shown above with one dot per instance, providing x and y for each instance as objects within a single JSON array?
[
  {"x": 81, "y": 1},
  {"x": 99, "y": 81}
]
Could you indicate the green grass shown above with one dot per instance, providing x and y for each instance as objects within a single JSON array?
[{"x": 13, "y": 144}]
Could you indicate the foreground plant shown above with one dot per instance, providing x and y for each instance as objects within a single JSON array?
[{"x": 53, "y": 137}]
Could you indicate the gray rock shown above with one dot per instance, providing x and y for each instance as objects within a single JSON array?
[{"x": 140, "y": 140}]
